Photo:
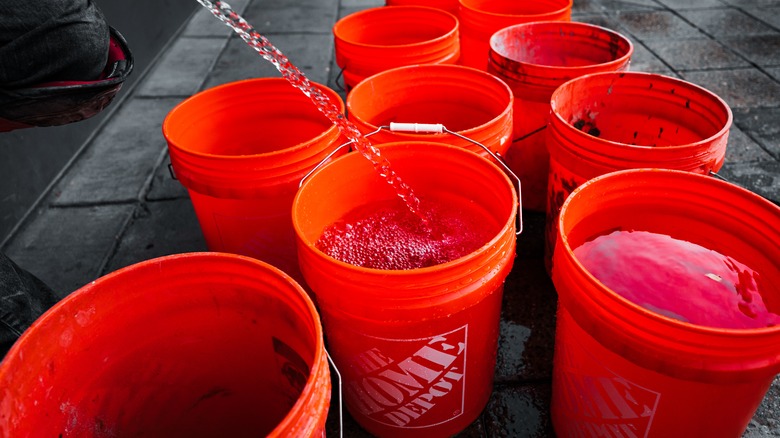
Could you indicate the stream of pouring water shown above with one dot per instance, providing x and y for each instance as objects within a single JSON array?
[{"x": 297, "y": 79}]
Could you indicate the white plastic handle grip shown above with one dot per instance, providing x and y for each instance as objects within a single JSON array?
[{"x": 426, "y": 128}]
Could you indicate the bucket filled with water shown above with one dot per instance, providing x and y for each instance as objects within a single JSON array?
[
  {"x": 534, "y": 59},
  {"x": 410, "y": 301},
  {"x": 603, "y": 122},
  {"x": 195, "y": 345},
  {"x": 480, "y": 19},
  {"x": 377, "y": 39},
  {"x": 470, "y": 102},
  {"x": 669, "y": 308},
  {"x": 241, "y": 149}
]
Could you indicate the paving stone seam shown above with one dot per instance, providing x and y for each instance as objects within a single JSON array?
[
  {"x": 146, "y": 188},
  {"x": 140, "y": 209},
  {"x": 757, "y": 140},
  {"x": 714, "y": 38},
  {"x": 225, "y": 40},
  {"x": 111, "y": 251},
  {"x": 613, "y": 16},
  {"x": 749, "y": 12},
  {"x": 43, "y": 201}
]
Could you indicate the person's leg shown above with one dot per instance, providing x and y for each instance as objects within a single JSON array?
[
  {"x": 51, "y": 40},
  {"x": 23, "y": 298}
]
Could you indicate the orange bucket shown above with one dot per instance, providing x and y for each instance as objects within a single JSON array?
[
  {"x": 610, "y": 121},
  {"x": 241, "y": 150},
  {"x": 534, "y": 59},
  {"x": 196, "y": 345},
  {"x": 378, "y": 39},
  {"x": 621, "y": 367},
  {"x": 416, "y": 348},
  {"x": 480, "y": 19},
  {"x": 467, "y": 101},
  {"x": 450, "y": 6}
]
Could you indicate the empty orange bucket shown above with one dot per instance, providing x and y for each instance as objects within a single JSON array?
[
  {"x": 416, "y": 348},
  {"x": 619, "y": 367},
  {"x": 467, "y": 101},
  {"x": 480, "y": 19},
  {"x": 377, "y": 39},
  {"x": 534, "y": 59},
  {"x": 450, "y": 6},
  {"x": 610, "y": 121},
  {"x": 241, "y": 150},
  {"x": 196, "y": 345}
]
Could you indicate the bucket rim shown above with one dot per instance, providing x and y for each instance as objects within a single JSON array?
[
  {"x": 332, "y": 95},
  {"x": 624, "y": 58},
  {"x": 636, "y": 308},
  {"x": 506, "y": 111},
  {"x": 400, "y": 273},
  {"x": 469, "y": 7},
  {"x": 318, "y": 368},
  {"x": 215, "y": 256},
  {"x": 337, "y": 29},
  {"x": 620, "y": 74}
]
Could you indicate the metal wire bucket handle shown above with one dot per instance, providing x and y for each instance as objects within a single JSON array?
[
  {"x": 434, "y": 128},
  {"x": 341, "y": 395}
]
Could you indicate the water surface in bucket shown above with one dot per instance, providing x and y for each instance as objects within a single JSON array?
[
  {"x": 542, "y": 50},
  {"x": 297, "y": 79},
  {"x": 384, "y": 235},
  {"x": 679, "y": 279}
]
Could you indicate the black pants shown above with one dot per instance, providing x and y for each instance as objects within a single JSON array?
[
  {"x": 51, "y": 40},
  {"x": 42, "y": 41},
  {"x": 23, "y": 298}
]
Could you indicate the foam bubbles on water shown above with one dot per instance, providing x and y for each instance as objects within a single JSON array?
[{"x": 387, "y": 236}]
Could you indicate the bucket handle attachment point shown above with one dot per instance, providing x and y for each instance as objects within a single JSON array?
[
  {"x": 716, "y": 175},
  {"x": 720, "y": 177},
  {"x": 342, "y": 86},
  {"x": 434, "y": 128}
]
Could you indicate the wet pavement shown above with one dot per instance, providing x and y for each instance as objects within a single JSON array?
[{"x": 117, "y": 203}]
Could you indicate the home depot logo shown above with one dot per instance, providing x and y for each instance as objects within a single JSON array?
[
  {"x": 606, "y": 407},
  {"x": 424, "y": 388},
  {"x": 596, "y": 402}
]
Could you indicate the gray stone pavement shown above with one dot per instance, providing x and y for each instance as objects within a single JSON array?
[{"x": 117, "y": 204}]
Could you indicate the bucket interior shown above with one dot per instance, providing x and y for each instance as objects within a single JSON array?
[
  {"x": 188, "y": 346},
  {"x": 458, "y": 97},
  {"x": 560, "y": 44},
  {"x": 247, "y": 118},
  {"x": 395, "y": 26},
  {"x": 432, "y": 170},
  {"x": 687, "y": 207},
  {"x": 641, "y": 109}
]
